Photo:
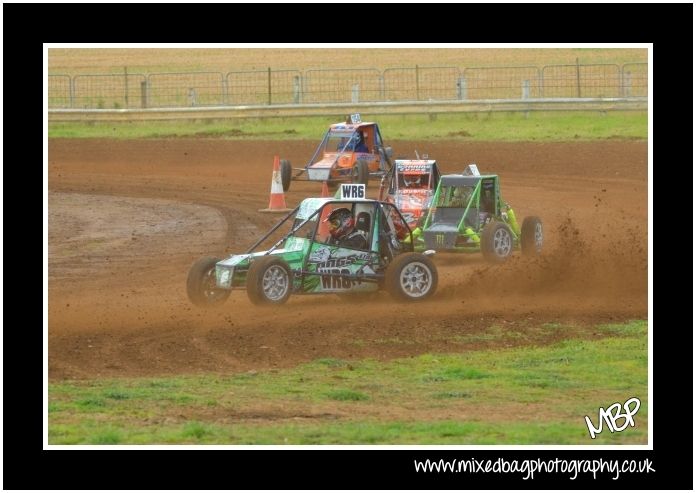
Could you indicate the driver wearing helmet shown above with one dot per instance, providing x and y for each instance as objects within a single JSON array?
[
  {"x": 412, "y": 181},
  {"x": 460, "y": 197},
  {"x": 342, "y": 230},
  {"x": 360, "y": 145}
]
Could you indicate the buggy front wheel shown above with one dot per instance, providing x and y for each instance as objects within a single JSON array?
[
  {"x": 360, "y": 172},
  {"x": 496, "y": 242},
  {"x": 201, "y": 286},
  {"x": 269, "y": 281}
]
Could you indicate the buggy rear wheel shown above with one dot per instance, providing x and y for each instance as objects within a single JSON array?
[
  {"x": 269, "y": 281},
  {"x": 532, "y": 237},
  {"x": 411, "y": 277},
  {"x": 201, "y": 286},
  {"x": 285, "y": 174}
]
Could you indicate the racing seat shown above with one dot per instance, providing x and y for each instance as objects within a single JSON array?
[{"x": 362, "y": 222}]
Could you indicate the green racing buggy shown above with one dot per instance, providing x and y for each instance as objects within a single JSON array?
[
  {"x": 305, "y": 260},
  {"x": 467, "y": 214}
]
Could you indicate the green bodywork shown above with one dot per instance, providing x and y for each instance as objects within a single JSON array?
[
  {"x": 461, "y": 207},
  {"x": 317, "y": 265}
]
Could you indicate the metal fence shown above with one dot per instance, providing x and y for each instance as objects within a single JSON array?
[
  {"x": 107, "y": 91},
  {"x": 59, "y": 91},
  {"x": 421, "y": 84},
  {"x": 634, "y": 79},
  {"x": 165, "y": 90},
  {"x": 350, "y": 85},
  {"x": 342, "y": 86},
  {"x": 264, "y": 87},
  {"x": 501, "y": 83},
  {"x": 581, "y": 81}
]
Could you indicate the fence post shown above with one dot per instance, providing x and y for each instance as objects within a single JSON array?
[
  {"x": 525, "y": 95},
  {"x": 192, "y": 96},
  {"x": 269, "y": 86},
  {"x": 462, "y": 88},
  {"x": 143, "y": 94},
  {"x": 382, "y": 96},
  {"x": 355, "y": 94},
  {"x": 296, "y": 89},
  {"x": 525, "y": 89},
  {"x": 627, "y": 85},
  {"x": 417, "y": 85},
  {"x": 125, "y": 76},
  {"x": 577, "y": 74},
  {"x": 71, "y": 85}
]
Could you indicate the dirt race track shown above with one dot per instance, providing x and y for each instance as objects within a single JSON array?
[{"x": 128, "y": 218}]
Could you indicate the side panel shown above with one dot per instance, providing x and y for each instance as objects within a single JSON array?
[{"x": 335, "y": 266}]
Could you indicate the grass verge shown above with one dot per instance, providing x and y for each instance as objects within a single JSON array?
[
  {"x": 536, "y": 126},
  {"x": 526, "y": 395}
]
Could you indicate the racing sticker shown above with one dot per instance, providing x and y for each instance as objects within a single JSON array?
[
  {"x": 294, "y": 244},
  {"x": 422, "y": 167},
  {"x": 337, "y": 268},
  {"x": 309, "y": 206}
]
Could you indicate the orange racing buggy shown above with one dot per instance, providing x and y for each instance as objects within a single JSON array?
[{"x": 350, "y": 152}]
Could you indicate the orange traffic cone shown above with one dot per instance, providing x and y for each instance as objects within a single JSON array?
[
  {"x": 325, "y": 190},
  {"x": 277, "y": 202}
]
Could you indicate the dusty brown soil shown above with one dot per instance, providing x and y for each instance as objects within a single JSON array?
[{"x": 127, "y": 219}]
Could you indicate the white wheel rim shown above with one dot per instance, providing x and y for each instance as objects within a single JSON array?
[
  {"x": 275, "y": 283},
  {"x": 416, "y": 279},
  {"x": 538, "y": 236},
  {"x": 502, "y": 242}
]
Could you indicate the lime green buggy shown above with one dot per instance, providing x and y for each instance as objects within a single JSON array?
[{"x": 468, "y": 215}]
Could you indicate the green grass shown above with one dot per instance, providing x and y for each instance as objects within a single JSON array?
[
  {"x": 525, "y": 395},
  {"x": 538, "y": 126},
  {"x": 346, "y": 395},
  {"x": 445, "y": 432}
]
